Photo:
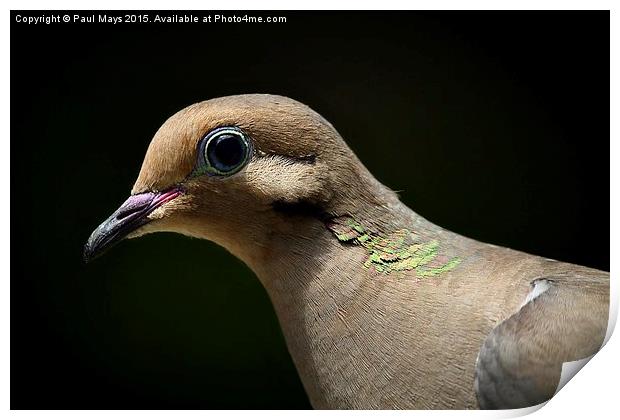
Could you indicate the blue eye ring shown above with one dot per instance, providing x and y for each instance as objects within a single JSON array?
[{"x": 223, "y": 152}]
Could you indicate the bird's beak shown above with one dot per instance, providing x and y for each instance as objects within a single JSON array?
[{"x": 130, "y": 215}]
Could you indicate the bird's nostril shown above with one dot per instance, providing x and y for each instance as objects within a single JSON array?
[
  {"x": 134, "y": 204},
  {"x": 142, "y": 204},
  {"x": 127, "y": 212}
]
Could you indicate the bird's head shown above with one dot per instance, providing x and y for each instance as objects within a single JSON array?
[{"x": 241, "y": 170}]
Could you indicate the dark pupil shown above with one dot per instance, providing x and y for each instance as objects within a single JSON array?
[{"x": 225, "y": 151}]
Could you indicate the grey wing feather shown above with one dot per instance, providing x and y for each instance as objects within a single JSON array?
[{"x": 520, "y": 362}]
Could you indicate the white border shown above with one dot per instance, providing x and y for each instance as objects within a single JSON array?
[{"x": 595, "y": 391}]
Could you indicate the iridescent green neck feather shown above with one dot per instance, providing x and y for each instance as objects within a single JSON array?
[{"x": 401, "y": 250}]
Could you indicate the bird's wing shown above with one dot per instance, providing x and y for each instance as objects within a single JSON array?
[{"x": 563, "y": 319}]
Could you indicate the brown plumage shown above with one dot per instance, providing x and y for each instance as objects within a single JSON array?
[{"x": 380, "y": 308}]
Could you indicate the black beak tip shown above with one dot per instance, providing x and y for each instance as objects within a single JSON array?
[
  {"x": 94, "y": 246},
  {"x": 87, "y": 254}
]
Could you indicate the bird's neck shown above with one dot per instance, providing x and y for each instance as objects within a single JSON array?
[{"x": 324, "y": 280}]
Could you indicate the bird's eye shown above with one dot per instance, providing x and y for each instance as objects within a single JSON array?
[{"x": 224, "y": 151}]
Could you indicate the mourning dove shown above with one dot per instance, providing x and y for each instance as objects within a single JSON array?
[{"x": 380, "y": 308}]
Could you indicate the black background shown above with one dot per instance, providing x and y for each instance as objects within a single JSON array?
[{"x": 491, "y": 124}]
